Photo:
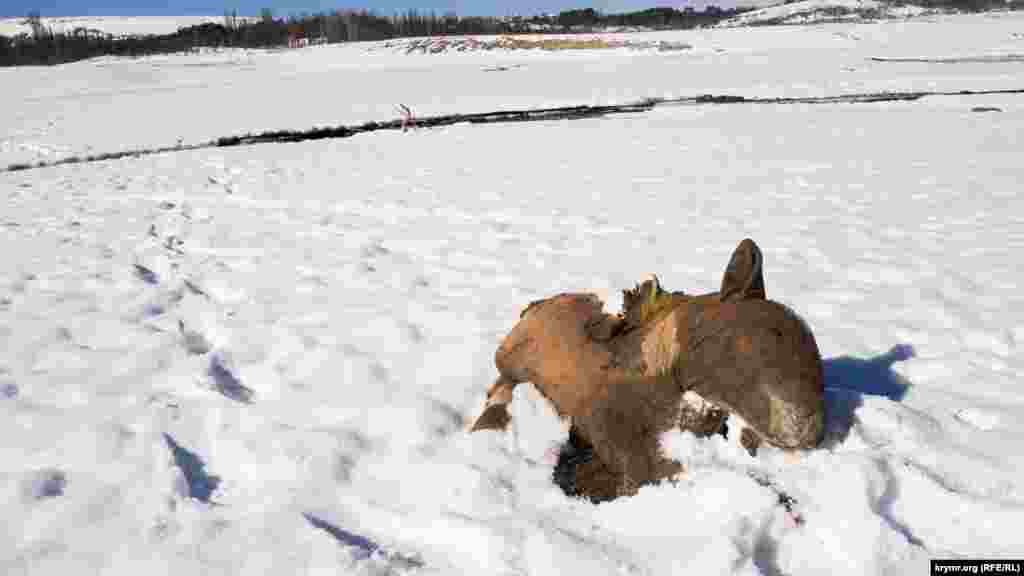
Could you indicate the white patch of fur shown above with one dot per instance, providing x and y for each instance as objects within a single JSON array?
[
  {"x": 736, "y": 426},
  {"x": 735, "y": 423},
  {"x": 696, "y": 401}
]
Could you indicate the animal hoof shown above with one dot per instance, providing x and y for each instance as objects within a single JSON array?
[{"x": 494, "y": 417}]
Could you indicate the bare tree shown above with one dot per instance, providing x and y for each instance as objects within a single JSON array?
[{"x": 35, "y": 22}]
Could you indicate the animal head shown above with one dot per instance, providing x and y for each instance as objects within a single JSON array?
[
  {"x": 547, "y": 339},
  {"x": 562, "y": 322}
]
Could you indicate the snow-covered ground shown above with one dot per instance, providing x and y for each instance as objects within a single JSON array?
[
  {"x": 118, "y": 26},
  {"x": 263, "y": 360},
  {"x": 108, "y": 105}
]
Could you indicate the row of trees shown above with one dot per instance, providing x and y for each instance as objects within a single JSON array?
[
  {"x": 44, "y": 46},
  {"x": 348, "y": 26},
  {"x": 654, "y": 18}
]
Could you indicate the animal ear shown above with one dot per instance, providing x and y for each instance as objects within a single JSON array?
[{"x": 743, "y": 278}]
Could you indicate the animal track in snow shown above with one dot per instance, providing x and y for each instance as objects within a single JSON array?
[
  {"x": 883, "y": 503},
  {"x": 763, "y": 550},
  {"x": 362, "y": 547},
  {"x": 979, "y": 419},
  {"x": 444, "y": 419},
  {"x": 226, "y": 381},
  {"x": 145, "y": 274},
  {"x": 43, "y": 484},
  {"x": 194, "y": 342},
  {"x": 194, "y": 288},
  {"x": 199, "y": 484}
]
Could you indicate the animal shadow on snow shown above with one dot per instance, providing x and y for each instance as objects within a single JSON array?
[{"x": 849, "y": 379}]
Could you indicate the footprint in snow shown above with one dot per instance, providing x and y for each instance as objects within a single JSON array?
[
  {"x": 978, "y": 419},
  {"x": 444, "y": 419},
  {"x": 195, "y": 289},
  {"x": 194, "y": 342},
  {"x": 379, "y": 373},
  {"x": 199, "y": 483},
  {"x": 226, "y": 382},
  {"x": 162, "y": 302},
  {"x": 43, "y": 484},
  {"x": 222, "y": 182},
  {"x": 8, "y": 390},
  {"x": 145, "y": 274},
  {"x": 20, "y": 285},
  {"x": 500, "y": 227},
  {"x": 415, "y": 332},
  {"x": 362, "y": 547},
  {"x": 372, "y": 249},
  {"x": 883, "y": 502}
]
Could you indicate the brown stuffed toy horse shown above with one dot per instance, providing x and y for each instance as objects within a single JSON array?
[{"x": 621, "y": 379}]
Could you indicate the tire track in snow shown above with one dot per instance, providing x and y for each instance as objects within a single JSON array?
[{"x": 529, "y": 115}]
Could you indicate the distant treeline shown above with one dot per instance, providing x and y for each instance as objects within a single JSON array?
[{"x": 44, "y": 46}]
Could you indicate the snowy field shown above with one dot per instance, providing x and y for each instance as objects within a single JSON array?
[
  {"x": 263, "y": 360},
  {"x": 107, "y": 105}
]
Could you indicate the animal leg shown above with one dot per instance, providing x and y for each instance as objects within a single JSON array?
[{"x": 624, "y": 427}]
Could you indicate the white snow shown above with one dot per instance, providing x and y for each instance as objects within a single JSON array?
[{"x": 263, "y": 360}]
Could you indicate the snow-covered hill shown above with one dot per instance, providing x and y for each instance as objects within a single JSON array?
[
  {"x": 812, "y": 11},
  {"x": 263, "y": 359}
]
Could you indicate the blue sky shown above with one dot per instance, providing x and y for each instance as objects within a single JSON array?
[{"x": 285, "y": 7}]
